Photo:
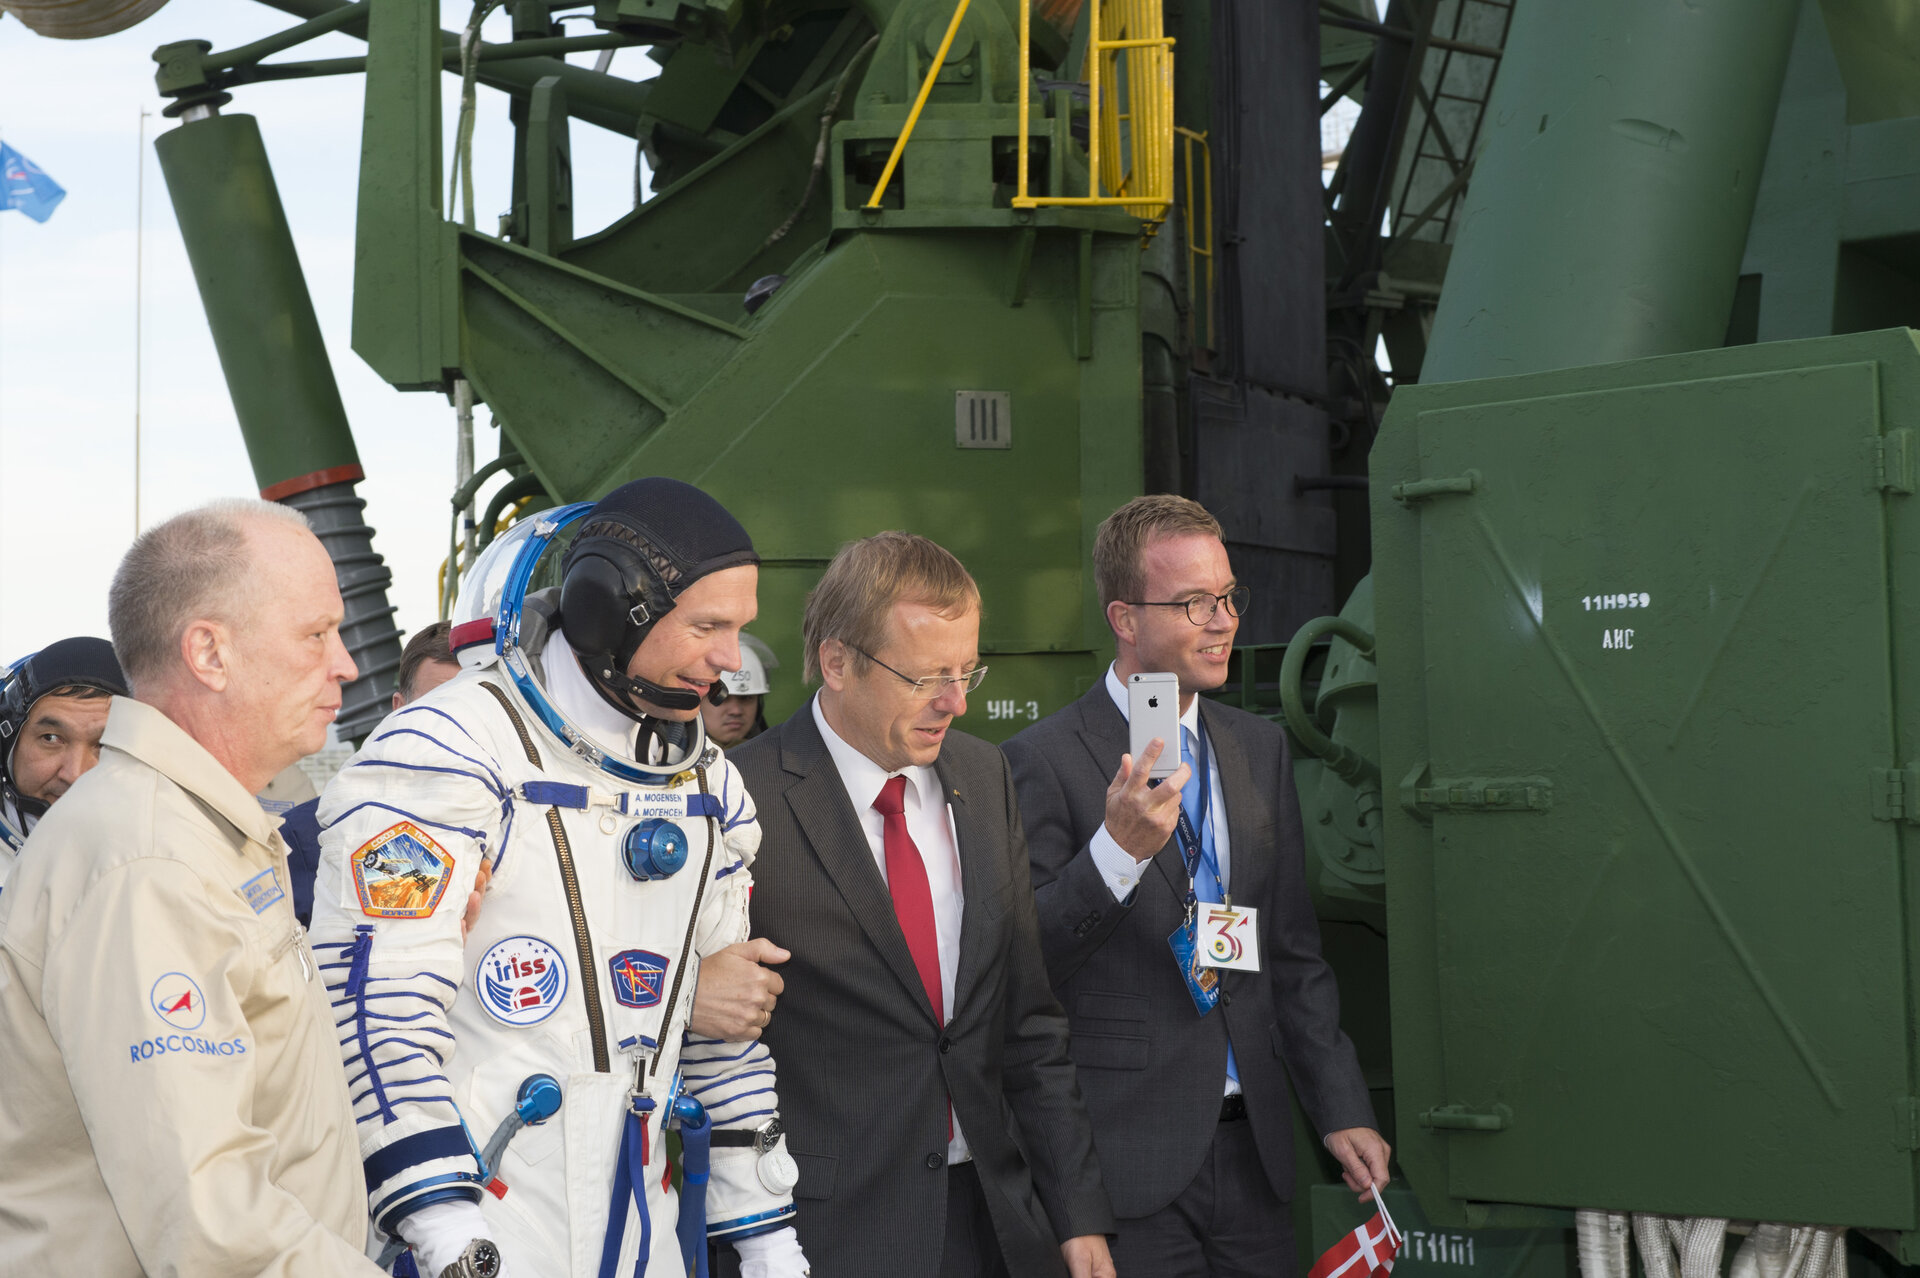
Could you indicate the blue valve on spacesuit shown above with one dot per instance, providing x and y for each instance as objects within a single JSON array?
[
  {"x": 653, "y": 849},
  {"x": 538, "y": 1099}
]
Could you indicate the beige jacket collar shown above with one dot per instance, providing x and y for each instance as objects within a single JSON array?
[{"x": 137, "y": 729}]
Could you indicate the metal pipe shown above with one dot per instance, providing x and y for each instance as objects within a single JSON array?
[
  {"x": 308, "y": 30},
  {"x": 277, "y": 373},
  {"x": 606, "y": 100},
  {"x": 338, "y": 516},
  {"x": 1609, "y": 206},
  {"x": 1349, "y": 765}
]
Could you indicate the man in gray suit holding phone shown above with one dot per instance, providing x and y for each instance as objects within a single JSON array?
[
  {"x": 925, "y": 1086},
  {"x": 1178, "y": 928}
]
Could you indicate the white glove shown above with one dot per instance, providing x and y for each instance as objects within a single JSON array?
[
  {"x": 774, "y": 1255},
  {"x": 438, "y": 1234}
]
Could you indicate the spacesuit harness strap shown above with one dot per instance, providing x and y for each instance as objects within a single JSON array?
[{"x": 668, "y": 804}]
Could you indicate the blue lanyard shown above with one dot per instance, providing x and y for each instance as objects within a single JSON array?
[{"x": 1192, "y": 848}]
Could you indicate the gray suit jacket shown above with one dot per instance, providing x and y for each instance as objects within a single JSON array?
[
  {"x": 1151, "y": 1066},
  {"x": 864, "y": 1070}
]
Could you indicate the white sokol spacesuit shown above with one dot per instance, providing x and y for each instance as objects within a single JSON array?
[{"x": 577, "y": 968}]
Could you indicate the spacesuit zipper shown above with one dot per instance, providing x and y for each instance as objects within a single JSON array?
[
  {"x": 693, "y": 925},
  {"x": 583, "y": 943},
  {"x": 582, "y": 938}
]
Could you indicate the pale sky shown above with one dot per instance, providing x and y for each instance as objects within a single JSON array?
[{"x": 67, "y": 310}]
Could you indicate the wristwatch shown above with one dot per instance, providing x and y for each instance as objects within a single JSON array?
[
  {"x": 760, "y": 1140},
  {"x": 481, "y": 1259}
]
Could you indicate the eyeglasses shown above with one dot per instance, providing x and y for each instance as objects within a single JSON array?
[
  {"x": 1201, "y": 608},
  {"x": 931, "y": 685}
]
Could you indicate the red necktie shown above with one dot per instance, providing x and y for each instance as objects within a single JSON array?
[{"x": 912, "y": 898}]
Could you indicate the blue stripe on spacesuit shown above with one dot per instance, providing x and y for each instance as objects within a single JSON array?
[
  {"x": 427, "y": 767},
  {"x": 737, "y": 1119},
  {"x": 713, "y": 1081},
  {"x": 358, "y": 1000},
  {"x": 397, "y": 1061},
  {"x": 360, "y": 1014},
  {"x": 499, "y": 786},
  {"x": 734, "y": 1100},
  {"x": 408, "y": 1082},
  {"x": 383, "y": 1165},
  {"x": 696, "y": 1040},
  {"x": 395, "y": 1039},
  {"x": 478, "y": 836},
  {"x": 404, "y": 711},
  {"x": 362, "y": 953},
  {"x": 721, "y": 874}
]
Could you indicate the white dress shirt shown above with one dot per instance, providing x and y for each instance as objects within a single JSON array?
[{"x": 930, "y": 825}]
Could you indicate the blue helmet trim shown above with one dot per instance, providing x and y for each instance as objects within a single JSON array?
[{"x": 513, "y": 659}]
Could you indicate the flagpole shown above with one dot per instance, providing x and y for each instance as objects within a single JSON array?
[{"x": 139, "y": 265}]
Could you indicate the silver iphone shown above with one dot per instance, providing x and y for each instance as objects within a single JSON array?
[{"x": 1153, "y": 710}]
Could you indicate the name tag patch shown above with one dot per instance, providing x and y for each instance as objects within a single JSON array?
[
  {"x": 521, "y": 980},
  {"x": 401, "y": 873},
  {"x": 639, "y": 977},
  {"x": 262, "y": 890},
  {"x": 1229, "y": 937}
]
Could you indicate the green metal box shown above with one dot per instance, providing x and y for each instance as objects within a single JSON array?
[
  {"x": 1647, "y": 639},
  {"x": 1430, "y": 1252}
]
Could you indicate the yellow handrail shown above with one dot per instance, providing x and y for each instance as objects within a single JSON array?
[
  {"x": 926, "y": 88},
  {"x": 1194, "y": 249},
  {"x": 1145, "y": 161}
]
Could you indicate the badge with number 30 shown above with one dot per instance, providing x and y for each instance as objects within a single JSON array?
[{"x": 1229, "y": 937}]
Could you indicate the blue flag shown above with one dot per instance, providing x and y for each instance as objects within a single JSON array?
[{"x": 23, "y": 186}]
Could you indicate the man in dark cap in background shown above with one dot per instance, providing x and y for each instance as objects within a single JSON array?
[{"x": 53, "y": 708}]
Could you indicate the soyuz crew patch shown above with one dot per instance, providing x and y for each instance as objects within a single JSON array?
[
  {"x": 520, "y": 980},
  {"x": 639, "y": 977},
  {"x": 401, "y": 873}
]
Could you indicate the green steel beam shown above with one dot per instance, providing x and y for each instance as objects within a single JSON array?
[
  {"x": 606, "y": 100},
  {"x": 1608, "y": 210}
]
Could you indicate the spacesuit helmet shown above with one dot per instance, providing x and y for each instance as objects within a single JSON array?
[
  {"x": 497, "y": 597},
  {"x": 80, "y": 662},
  {"x": 637, "y": 551}
]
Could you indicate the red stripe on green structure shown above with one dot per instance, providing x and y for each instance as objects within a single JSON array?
[{"x": 349, "y": 474}]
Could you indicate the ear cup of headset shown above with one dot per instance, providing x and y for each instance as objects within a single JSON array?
[{"x": 596, "y": 598}]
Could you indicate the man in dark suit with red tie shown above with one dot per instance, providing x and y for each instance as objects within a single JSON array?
[{"x": 925, "y": 1086}]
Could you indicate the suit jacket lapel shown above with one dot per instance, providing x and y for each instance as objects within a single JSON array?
[
  {"x": 974, "y": 842},
  {"x": 825, "y": 813},
  {"x": 1105, "y": 736},
  {"x": 1246, "y": 870}
]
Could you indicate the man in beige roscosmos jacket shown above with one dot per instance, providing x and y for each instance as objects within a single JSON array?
[{"x": 171, "y": 1098}]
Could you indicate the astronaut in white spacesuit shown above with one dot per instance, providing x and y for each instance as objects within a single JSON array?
[{"x": 568, "y": 760}]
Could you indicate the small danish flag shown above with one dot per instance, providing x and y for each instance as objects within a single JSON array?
[{"x": 1366, "y": 1252}]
